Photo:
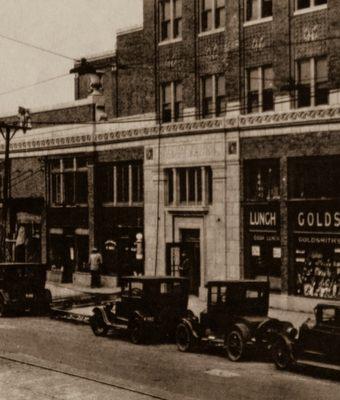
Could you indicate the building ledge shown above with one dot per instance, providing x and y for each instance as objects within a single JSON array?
[{"x": 188, "y": 210}]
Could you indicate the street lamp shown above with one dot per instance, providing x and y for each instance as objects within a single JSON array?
[{"x": 8, "y": 130}]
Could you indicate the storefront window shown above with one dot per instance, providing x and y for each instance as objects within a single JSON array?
[
  {"x": 314, "y": 178},
  {"x": 69, "y": 185},
  {"x": 121, "y": 182},
  {"x": 262, "y": 180}
]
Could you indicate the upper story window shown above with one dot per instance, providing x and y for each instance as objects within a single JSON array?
[
  {"x": 171, "y": 101},
  {"x": 170, "y": 19},
  {"x": 189, "y": 186},
  {"x": 312, "y": 77},
  {"x": 262, "y": 180},
  {"x": 121, "y": 183},
  {"x": 212, "y": 14},
  {"x": 260, "y": 96},
  {"x": 69, "y": 182},
  {"x": 257, "y": 9},
  {"x": 301, "y": 4},
  {"x": 213, "y": 95}
]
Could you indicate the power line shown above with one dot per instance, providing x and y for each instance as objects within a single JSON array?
[
  {"x": 33, "y": 46},
  {"x": 33, "y": 84}
]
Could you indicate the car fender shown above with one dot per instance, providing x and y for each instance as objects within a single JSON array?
[
  {"x": 100, "y": 313},
  {"x": 191, "y": 324},
  {"x": 270, "y": 328},
  {"x": 289, "y": 342},
  {"x": 4, "y": 296},
  {"x": 243, "y": 328}
]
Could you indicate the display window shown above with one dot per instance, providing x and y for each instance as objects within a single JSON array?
[{"x": 315, "y": 232}]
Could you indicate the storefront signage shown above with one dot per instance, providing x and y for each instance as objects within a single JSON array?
[
  {"x": 262, "y": 217},
  {"x": 258, "y": 218},
  {"x": 318, "y": 219}
]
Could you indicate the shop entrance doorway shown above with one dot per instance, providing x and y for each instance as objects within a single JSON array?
[{"x": 183, "y": 258}]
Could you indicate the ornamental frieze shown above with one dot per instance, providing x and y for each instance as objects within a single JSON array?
[{"x": 252, "y": 121}]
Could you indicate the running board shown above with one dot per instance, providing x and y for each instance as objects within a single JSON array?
[{"x": 319, "y": 364}]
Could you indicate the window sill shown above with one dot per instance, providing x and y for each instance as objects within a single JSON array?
[
  {"x": 211, "y": 32},
  {"x": 69, "y": 205},
  {"x": 257, "y": 21},
  {"x": 134, "y": 204},
  {"x": 169, "y": 41},
  {"x": 310, "y": 9}
]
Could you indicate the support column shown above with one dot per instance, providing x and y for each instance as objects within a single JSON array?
[{"x": 92, "y": 211}]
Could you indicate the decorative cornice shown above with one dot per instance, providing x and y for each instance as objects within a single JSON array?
[{"x": 106, "y": 134}]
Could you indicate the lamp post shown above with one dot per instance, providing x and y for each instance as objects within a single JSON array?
[{"x": 8, "y": 130}]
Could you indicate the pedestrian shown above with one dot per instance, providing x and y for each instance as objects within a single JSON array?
[{"x": 95, "y": 262}]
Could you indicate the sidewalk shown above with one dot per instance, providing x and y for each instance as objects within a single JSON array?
[{"x": 68, "y": 290}]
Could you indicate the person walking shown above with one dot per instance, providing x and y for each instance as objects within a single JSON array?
[{"x": 95, "y": 262}]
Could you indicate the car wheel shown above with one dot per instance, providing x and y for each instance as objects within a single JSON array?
[
  {"x": 136, "y": 333},
  {"x": 282, "y": 355},
  {"x": 235, "y": 345},
  {"x": 184, "y": 338},
  {"x": 98, "y": 327}
]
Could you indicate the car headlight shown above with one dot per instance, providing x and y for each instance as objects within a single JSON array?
[{"x": 291, "y": 332}]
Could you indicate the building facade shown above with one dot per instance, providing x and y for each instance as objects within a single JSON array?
[{"x": 215, "y": 136}]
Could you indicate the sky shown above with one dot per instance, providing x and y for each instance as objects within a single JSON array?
[{"x": 73, "y": 28}]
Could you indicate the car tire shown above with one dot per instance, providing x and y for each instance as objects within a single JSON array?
[
  {"x": 185, "y": 340},
  {"x": 136, "y": 333},
  {"x": 282, "y": 355},
  {"x": 98, "y": 326},
  {"x": 235, "y": 345}
]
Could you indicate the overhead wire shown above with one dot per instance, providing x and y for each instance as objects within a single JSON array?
[{"x": 40, "y": 48}]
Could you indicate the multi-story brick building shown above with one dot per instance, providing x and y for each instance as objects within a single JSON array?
[{"x": 221, "y": 146}]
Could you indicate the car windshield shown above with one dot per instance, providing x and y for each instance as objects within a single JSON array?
[{"x": 328, "y": 315}]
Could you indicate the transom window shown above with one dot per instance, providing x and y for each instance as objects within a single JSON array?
[
  {"x": 301, "y": 4},
  {"x": 170, "y": 19},
  {"x": 212, "y": 14},
  {"x": 188, "y": 186},
  {"x": 262, "y": 180},
  {"x": 260, "y": 82},
  {"x": 257, "y": 9},
  {"x": 171, "y": 102},
  {"x": 121, "y": 183},
  {"x": 312, "y": 77},
  {"x": 213, "y": 95},
  {"x": 69, "y": 184}
]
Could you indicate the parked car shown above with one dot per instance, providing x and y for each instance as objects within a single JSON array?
[
  {"x": 235, "y": 320},
  {"x": 317, "y": 342},
  {"x": 149, "y": 306},
  {"x": 22, "y": 288}
]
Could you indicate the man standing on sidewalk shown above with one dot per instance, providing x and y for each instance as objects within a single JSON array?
[{"x": 95, "y": 262}]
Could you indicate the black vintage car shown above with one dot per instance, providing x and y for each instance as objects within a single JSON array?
[
  {"x": 317, "y": 344},
  {"x": 149, "y": 306},
  {"x": 235, "y": 320},
  {"x": 22, "y": 288}
]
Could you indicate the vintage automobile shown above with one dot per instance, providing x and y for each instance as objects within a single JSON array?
[
  {"x": 317, "y": 342},
  {"x": 235, "y": 320},
  {"x": 149, "y": 307},
  {"x": 22, "y": 288}
]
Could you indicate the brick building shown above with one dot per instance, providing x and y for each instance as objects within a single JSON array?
[{"x": 220, "y": 146}]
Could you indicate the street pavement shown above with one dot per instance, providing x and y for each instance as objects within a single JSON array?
[{"x": 59, "y": 360}]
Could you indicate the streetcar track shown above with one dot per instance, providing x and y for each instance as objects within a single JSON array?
[{"x": 78, "y": 376}]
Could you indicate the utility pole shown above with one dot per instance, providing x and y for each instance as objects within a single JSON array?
[{"x": 8, "y": 130}]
